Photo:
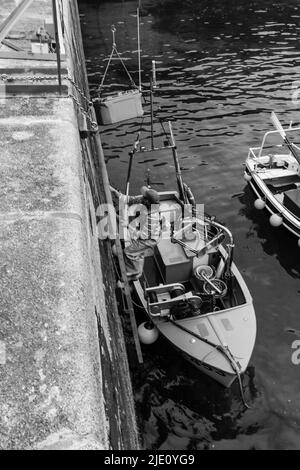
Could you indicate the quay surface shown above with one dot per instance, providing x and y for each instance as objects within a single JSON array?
[{"x": 64, "y": 376}]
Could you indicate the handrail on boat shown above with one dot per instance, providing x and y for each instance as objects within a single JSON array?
[
  {"x": 221, "y": 230},
  {"x": 251, "y": 153},
  {"x": 290, "y": 129},
  {"x": 230, "y": 247}
]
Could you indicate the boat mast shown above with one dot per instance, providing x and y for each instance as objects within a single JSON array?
[
  {"x": 131, "y": 157},
  {"x": 180, "y": 183},
  {"x": 139, "y": 47},
  {"x": 151, "y": 113}
]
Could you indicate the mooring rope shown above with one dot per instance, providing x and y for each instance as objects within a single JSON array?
[{"x": 225, "y": 351}]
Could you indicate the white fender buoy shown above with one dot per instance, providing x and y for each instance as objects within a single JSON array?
[
  {"x": 148, "y": 333},
  {"x": 259, "y": 204},
  {"x": 276, "y": 220},
  {"x": 299, "y": 242},
  {"x": 247, "y": 177}
]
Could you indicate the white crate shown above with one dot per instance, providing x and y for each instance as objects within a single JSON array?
[{"x": 121, "y": 107}]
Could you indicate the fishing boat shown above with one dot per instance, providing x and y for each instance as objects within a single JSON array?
[
  {"x": 273, "y": 173},
  {"x": 191, "y": 290}
]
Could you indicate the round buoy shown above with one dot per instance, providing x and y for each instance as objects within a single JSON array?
[
  {"x": 247, "y": 177},
  {"x": 259, "y": 204},
  {"x": 276, "y": 220},
  {"x": 148, "y": 333}
]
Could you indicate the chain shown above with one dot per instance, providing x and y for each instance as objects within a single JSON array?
[
  {"x": 93, "y": 123},
  {"x": 88, "y": 102},
  {"x": 33, "y": 78},
  {"x": 37, "y": 78},
  {"x": 82, "y": 94}
]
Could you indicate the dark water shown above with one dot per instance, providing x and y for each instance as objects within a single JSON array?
[{"x": 222, "y": 67}]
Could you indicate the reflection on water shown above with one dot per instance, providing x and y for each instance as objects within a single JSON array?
[{"x": 221, "y": 70}]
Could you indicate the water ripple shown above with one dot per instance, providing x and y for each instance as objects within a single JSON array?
[{"x": 221, "y": 72}]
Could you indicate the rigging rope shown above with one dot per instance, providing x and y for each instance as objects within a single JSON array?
[
  {"x": 115, "y": 52},
  {"x": 223, "y": 350}
]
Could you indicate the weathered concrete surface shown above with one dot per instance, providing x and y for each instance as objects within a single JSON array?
[
  {"x": 64, "y": 379},
  {"x": 52, "y": 372}
]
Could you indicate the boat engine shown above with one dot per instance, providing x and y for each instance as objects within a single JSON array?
[
  {"x": 177, "y": 292},
  {"x": 186, "y": 309}
]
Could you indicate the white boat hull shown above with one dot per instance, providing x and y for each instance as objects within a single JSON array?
[
  {"x": 272, "y": 177},
  {"x": 235, "y": 327},
  {"x": 273, "y": 206}
]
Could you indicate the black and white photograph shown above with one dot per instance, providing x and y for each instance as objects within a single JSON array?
[{"x": 149, "y": 228}]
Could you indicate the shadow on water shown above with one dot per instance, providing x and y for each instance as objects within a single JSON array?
[
  {"x": 180, "y": 408},
  {"x": 274, "y": 241},
  {"x": 222, "y": 67}
]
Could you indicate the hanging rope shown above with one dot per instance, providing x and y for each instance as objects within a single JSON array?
[
  {"x": 223, "y": 350},
  {"x": 113, "y": 53}
]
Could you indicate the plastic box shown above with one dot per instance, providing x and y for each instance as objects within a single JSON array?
[
  {"x": 120, "y": 107},
  {"x": 173, "y": 262}
]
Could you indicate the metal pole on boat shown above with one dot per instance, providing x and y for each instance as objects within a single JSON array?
[
  {"x": 154, "y": 74},
  {"x": 139, "y": 48},
  {"x": 282, "y": 132},
  {"x": 152, "y": 116},
  {"x": 177, "y": 167},
  {"x": 131, "y": 156}
]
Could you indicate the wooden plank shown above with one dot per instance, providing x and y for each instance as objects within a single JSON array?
[
  {"x": 11, "y": 45},
  {"x": 129, "y": 301},
  {"x": 29, "y": 56},
  {"x": 119, "y": 249}
]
